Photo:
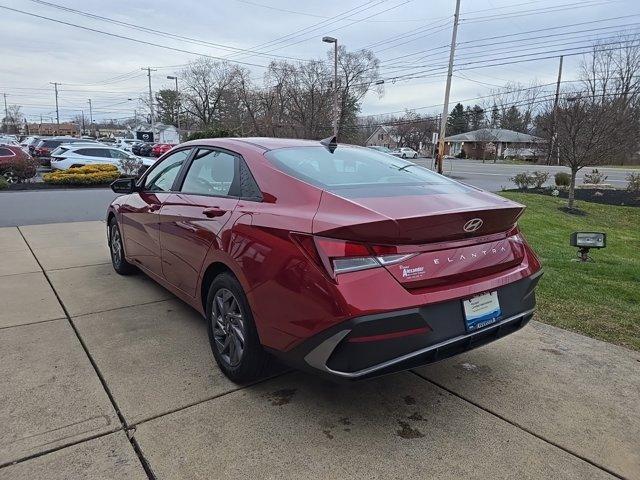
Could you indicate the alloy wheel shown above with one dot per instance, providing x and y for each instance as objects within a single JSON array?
[
  {"x": 10, "y": 177},
  {"x": 116, "y": 245},
  {"x": 228, "y": 327}
]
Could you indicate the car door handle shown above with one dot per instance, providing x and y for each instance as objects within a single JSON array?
[
  {"x": 154, "y": 207},
  {"x": 214, "y": 212}
]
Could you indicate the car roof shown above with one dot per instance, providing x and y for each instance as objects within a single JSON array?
[
  {"x": 261, "y": 143},
  {"x": 87, "y": 144}
]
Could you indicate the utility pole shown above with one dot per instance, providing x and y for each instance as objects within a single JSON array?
[
  {"x": 151, "y": 119},
  {"x": 55, "y": 86},
  {"x": 83, "y": 129},
  {"x": 554, "y": 133},
  {"x": 173, "y": 77},
  {"x": 90, "y": 115},
  {"x": 6, "y": 114},
  {"x": 447, "y": 90}
]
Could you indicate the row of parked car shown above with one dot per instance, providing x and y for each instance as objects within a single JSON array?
[{"x": 19, "y": 160}]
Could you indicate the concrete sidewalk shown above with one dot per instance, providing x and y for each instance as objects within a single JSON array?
[{"x": 103, "y": 376}]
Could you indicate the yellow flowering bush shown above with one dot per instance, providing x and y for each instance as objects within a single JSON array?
[{"x": 87, "y": 175}]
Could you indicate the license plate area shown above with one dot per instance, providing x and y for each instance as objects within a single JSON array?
[{"x": 481, "y": 311}]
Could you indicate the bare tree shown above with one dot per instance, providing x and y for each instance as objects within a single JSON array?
[
  {"x": 205, "y": 84},
  {"x": 357, "y": 73},
  {"x": 514, "y": 101},
  {"x": 591, "y": 133},
  {"x": 613, "y": 69},
  {"x": 415, "y": 131},
  {"x": 487, "y": 139},
  {"x": 14, "y": 118}
]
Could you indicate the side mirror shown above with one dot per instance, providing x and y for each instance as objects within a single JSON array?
[{"x": 124, "y": 185}]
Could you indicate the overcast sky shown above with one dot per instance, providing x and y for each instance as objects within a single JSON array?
[{"x": 87, "y": 64}]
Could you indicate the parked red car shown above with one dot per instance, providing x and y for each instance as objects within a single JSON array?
[
  {"x": 160, "y": 149},
  {"x": 337, "y": 259},
  {"x": 15, "y": 164}
]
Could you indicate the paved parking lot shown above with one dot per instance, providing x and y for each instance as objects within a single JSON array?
[{"x": 103, "y": 376}]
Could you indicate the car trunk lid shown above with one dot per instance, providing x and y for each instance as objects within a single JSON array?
[{"x": 419, "y": 214}]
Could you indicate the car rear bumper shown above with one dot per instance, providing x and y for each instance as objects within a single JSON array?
[{"x": 373, "y": 345}]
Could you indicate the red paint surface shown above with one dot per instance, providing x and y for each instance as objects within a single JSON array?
[{"x": 291, "y": 294}]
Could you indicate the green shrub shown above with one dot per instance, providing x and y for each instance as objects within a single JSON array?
[
  {"x": 595, "y": 177},
  {"x": 634, "y": 182},
  {"x": 562, "y": 179},
  {"x": 209, "y": 133},
  {"x": 523, "y": 180},
  {"x": 87, "y": 175},
  {"x": 538, "y": 179},
  {"x": 3, "y": 184}
]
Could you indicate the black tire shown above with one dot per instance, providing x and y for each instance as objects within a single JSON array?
[
  {"x": 116, "y": 249},
  {"x": 223, "y": 326},
  {"x": 415, "y": 155},
  {"x": 404, "y": 155}
]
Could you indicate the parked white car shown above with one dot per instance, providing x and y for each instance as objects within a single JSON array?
[
  {"x": 125, "y": 143},
  {"x": 79, "y": 154},
  {"x": 406, "y": 152}
]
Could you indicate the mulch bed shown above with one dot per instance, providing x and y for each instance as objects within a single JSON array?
[{"x": 604, "y": 196}]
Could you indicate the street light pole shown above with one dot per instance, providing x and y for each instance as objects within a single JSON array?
[
  {"x": 335, "y": 82},
  {"x": 171, "y": 77},
  {"x": 447, "y": 90}
]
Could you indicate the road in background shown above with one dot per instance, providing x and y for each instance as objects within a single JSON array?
[
  {"x": 496, "y": 176},
  {"x": 53, "y": 206}
]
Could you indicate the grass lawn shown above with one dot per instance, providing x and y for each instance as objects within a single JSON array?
[{"x": 601, "y": 298}]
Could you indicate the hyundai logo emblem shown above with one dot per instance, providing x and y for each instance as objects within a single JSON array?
[{"x": 472, "y": 225}]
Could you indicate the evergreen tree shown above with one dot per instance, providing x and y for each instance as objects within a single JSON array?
[
  {"x": 457, "y": 121},
  {"x": 476, "y": 118},
  {"x": 512, "y": 120},
  {"x": 495, "y": 117}
]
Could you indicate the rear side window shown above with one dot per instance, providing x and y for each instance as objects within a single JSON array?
[
  {"x": 93, "y": 152},
  {"x": 349, "y": 166},
  {"x": 5, "y": 152},
  {"x": 51, "y": 143},
  {"x": 212, "y": 172}
]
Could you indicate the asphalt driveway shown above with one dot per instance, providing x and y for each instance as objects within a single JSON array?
[{"x": 103, "y": 376}]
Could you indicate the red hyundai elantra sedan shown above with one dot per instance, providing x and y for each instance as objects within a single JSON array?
[{"x": 337, "y": 259}]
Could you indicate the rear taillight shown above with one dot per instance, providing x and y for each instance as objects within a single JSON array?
[{"x": 342, "y": 256}]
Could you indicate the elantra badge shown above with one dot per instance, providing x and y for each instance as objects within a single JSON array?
[{"x": 472, "y": 225}]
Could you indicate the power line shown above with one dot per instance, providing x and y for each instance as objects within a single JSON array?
[
  {"x": 313, "y": 27},
  {"x": 123, "y": 37},
  {"x": 340, "y": 27},
  {"x": 538, "y": 11},
  {"x": 156, "y": 32}
]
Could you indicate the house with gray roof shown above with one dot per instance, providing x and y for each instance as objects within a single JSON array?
[
  {"x": 383, "y": 136},
  {"x": 493, "y": 142}
]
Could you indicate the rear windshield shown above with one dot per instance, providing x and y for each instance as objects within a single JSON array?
[
  {"x": 357, "y": 168},
  {"x": 50, "y": 143}
]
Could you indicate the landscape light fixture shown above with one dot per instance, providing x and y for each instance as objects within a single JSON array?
[{"x": 584, "y": 241}]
